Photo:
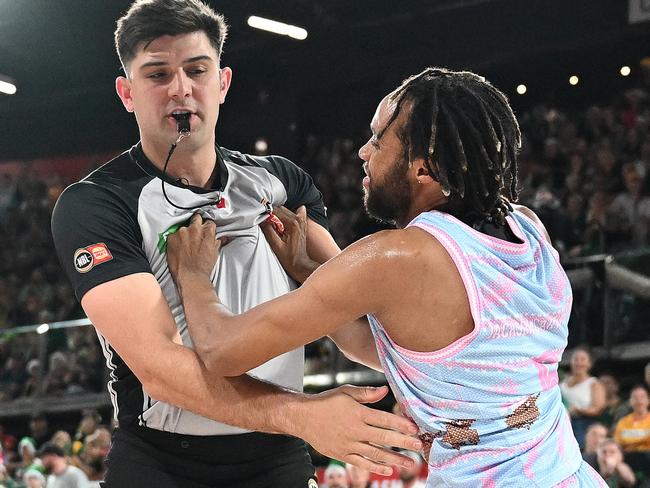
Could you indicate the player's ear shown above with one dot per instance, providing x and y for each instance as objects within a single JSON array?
[
  {"x": 421, "y": 171},
  {"x": 225, "y": 78},
  {"x": 123, "y": 89}
]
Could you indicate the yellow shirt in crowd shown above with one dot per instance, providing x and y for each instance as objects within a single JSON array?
[{"x": 633, "y": 435}]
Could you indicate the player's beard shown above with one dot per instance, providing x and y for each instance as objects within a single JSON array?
[{"x": 390, "y": 200}]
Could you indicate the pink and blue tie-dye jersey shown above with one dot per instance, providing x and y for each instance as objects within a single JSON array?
[{"x": 489, "y": 403}]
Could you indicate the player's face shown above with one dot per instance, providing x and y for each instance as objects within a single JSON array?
[
  {"x": 387, "y": 193},
  {"x": 175, "y": 74}
]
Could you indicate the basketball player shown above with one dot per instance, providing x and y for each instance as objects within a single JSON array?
[
  {"x": 466, "y": 300},
  {"x": 179, "y": 424}
]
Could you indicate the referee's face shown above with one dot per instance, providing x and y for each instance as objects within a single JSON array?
[{"x": 175, "y": 74}]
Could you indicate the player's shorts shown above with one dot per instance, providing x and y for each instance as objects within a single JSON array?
[{"x": 146, "y": 458}]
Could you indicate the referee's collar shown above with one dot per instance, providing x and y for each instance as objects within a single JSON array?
[{"x": 218, "y": 183}]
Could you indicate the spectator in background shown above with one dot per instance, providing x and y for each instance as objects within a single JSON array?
[
  {"x": 62, "y": 439},
  {"x": 410, "y": 476},
  {"x": 611, "y": 466},
  {"x": 34, "y": 373},
  {"x": 596, "y": 434},
  {"x": 5, "y": 479},
  {"x": 359, "y": 477},
  {"x": 607, "y": 173},
  {"x": 40, "y": 429},
  {"x": 13, "y": 378},
  {"x": 594, "y": 241},
  {"x": 584, "y": 394},
  {"x": 574, "y": 226},
  {"x": 8, "y": 453},
  {"x": 554, "y": 163},
  {"x": 91, "y": 457},
  {"x": 61, "y": 474},
  {"x": 336, "y": 476},
  {"x": 90, "y": 420},
  {"x": 646, "y": 375},
  {"x": 34, "y": 479},
  {"x": 59, "y": 375},
  {"x": 28, "y": 459},
  {"x": 628, "y": 216},
  {"x": 615, "y": 407},
  {"x": 633, "y": 431}
]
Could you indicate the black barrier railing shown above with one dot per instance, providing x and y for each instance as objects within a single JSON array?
[{"x": 611, "y": 301}]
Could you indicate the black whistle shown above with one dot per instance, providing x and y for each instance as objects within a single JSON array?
[{"x": 183, "y": 121}]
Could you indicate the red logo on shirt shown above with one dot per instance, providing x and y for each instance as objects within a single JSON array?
[{"x": 86, "y": 258}]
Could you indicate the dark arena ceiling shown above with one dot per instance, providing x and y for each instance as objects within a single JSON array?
[{"x": 60, "y": 54}]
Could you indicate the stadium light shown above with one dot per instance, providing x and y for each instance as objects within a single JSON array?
[
  {"x": 43, "y": 328},
  {"x": 573, "y": 80},
  {"x": 625, "y": 70},
  {"x": 261, "y": 146},
  {"x": 277, "y": 27},
  {"x": 521, "y": 89},
  {"x": 7, "y": 87}
]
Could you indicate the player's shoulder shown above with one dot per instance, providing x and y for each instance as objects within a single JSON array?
[
  {"x": 526, "y": 211},
  {"x": 532, "y": 216},
  {"x": 400, "y": 247}
]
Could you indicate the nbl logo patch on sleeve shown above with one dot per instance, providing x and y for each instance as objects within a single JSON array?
[{"x": 86, "y": 258}]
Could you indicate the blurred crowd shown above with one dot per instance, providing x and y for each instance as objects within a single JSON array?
[
  {"x": 55, "y": 458},
  {"x": 75, "y": 364},
  {"x": 347, "y": 476},
  {"x": 585, "y": 173},
  {"x": 612, "y": 428},
  {"x": 33, "y": 288}
]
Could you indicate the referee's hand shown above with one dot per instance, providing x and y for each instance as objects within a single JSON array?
[
  {"x": 193, "y": 251},
  {"x": 358, "y": 435}
]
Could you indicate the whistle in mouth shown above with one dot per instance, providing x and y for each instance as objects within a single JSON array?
[{"x": 183, "y": 121}]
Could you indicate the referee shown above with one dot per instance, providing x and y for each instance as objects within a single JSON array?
[{"x": 179, "y": 425}]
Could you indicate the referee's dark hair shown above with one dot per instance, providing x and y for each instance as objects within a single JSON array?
[
  {"x": 465, "y": 130},
  {"x": 147, "y": 20}
]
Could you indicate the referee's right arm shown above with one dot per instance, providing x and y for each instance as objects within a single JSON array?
[{"x": 132, "y": 314}]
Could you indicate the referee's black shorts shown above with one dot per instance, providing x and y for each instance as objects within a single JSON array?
[{"x": 147, "y": 458}]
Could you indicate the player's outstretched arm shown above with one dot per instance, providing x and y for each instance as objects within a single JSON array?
[
  {"x": 302, "y": 246},
  {"x": 132, "y": 314},
  {"x": 356, "y": 282}
]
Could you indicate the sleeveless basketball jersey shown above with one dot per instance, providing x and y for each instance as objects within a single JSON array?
[{"x": 488, "y": 405}]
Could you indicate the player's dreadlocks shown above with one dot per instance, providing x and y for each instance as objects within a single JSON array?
[{"x": 468, "y": 135}]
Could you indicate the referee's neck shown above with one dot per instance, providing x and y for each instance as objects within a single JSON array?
[{"x": 195, "y": 166}]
